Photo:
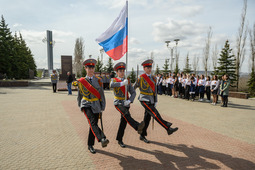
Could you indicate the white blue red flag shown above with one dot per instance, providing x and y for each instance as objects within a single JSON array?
[{"x": 114, "y": 39}]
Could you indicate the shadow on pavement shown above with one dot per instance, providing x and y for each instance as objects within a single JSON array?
[
  {"x": 129, "y": 162},
  {"x": 196, "y": 158},
  {"x": 239, "y": 106}
]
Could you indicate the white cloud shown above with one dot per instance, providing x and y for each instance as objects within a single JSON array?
[
  {"x": 172, "y": 29},
  {"x": 188, "y": 11},
  {"x": 111, "y": 4},
  {"x": 17, "y": 25},
  {"x": 32, "y": 36},
  {"x": 133, "y": 41}
]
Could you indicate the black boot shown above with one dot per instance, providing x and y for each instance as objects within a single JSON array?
[
  {"x": 91, "y": 149},
  {"x": 104, "y": 142},
  {"x": 121, "y": 144},
  {"x": 144, "y": 139},
  {"x": 171, "y": 130}
]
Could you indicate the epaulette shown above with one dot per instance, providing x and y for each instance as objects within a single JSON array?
[
  {"x": 154, "y": 78},
  {"x": 99, "y": 81}
]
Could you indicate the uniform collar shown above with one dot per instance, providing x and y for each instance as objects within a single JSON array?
[
  {"x": 121, "y": 78},
  {"x": 89, "y": 77}
]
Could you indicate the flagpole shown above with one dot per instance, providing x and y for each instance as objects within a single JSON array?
[{"x": 126, "y": 52}]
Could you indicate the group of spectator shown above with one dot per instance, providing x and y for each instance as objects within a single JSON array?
[{"x": 191, "y": 86}]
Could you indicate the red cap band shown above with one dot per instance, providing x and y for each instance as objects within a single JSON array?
[
  {"x": 120, "y": 67},
  {"x": 90, "y": 64},
  {"x": 147, "y": 64}
]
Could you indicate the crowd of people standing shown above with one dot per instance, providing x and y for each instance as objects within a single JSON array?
[{"x": 191, "y": 87}]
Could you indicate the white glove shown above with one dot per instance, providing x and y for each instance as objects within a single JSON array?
[
  {"x": 127, "y": 102},
  {"x": 155, "y": 104},
  {"x": 125, "y": 82}
]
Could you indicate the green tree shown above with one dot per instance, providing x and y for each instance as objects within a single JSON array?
[
  {"x": 251, "y": 82},
  {"x": 78, "y": 56},
  {"x": 109, "y": 66},
  {"x": 6, "y": 43},
  {"x": 187, "y": 68},
  {"x": 132, "y": 76},
  {"x": 23, "y": 59},
  {"x": 157, "y": 71},
  {"x": 99, "y": 65},
  {"x": 104, "y": 69},
  {"x": 83, "y": 73},
  {"x": 227, "y": 63},
  {"x": 15, "y": 57},
  {"x": 26, "y": 58},
  {"x": 166, "y": 66}
]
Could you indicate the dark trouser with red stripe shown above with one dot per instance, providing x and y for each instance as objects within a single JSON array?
[
  {"x": 125, "y": 118},
  {"x": 151, "y": 111},
  {"x": 94, "y": 130}
]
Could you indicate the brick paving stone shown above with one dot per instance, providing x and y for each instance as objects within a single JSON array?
[
  {"x": 43, "y": 130},
  {"x": 191, "y": 147}
]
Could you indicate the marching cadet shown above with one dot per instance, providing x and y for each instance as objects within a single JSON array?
[
  {"x": 119, "y": 86},
  {"x": 91, "y": 101},
  {"x": 148, "y": 98},
  {"x": 54, "y": 80}
]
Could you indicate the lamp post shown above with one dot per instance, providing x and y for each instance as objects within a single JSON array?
[{"x": 172, "y": 52}]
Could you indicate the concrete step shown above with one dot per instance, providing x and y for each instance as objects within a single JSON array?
[{"x": 39, "y": 83}]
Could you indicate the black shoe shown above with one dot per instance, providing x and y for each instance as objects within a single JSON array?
[
  {"x": 144, "y": 139},
  {"x": 104, "y": 142},
  {"x": 171, "y": 130},
  {"x": 140, "y": 127},
  {"x": 91, "y": 149},
  {"x": 222, "y": 106},
  {"x": 121, "y": 144}
]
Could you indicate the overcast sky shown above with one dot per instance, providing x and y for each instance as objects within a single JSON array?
[{"x": 151, "y": 22}]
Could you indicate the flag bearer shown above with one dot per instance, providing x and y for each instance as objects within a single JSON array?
[{"x": 119, "y": 86}]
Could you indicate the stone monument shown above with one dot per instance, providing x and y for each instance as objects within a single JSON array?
[
  {"x": 66, "y": 66},
  {"x": 50, "y": 50}
]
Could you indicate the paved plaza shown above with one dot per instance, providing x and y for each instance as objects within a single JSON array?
[{"x": 44, "y": 130}]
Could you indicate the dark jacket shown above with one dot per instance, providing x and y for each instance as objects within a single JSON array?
[{"x": 69, "y": 79}]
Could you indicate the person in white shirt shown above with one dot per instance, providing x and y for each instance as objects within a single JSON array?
[
  {"x": 180, "y": 83},
  {"x": 183, "y": 86},
  {"x": 164, "y": 85},
  {"x": 196, "y": 82},
  {"x": 214, "y": 88},
  {"x": 170, "y": 81},
  {"x": 159, "y": 84},
  {"x": 172, "y": 84},
  {"x": 201, "y": 85},
  {"x": 208, "y": 88}
]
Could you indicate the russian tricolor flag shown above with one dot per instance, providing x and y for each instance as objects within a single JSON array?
[{"x": 115, "y": 39}]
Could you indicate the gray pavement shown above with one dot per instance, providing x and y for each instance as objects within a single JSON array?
[{"x": 44, "y": 130}]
